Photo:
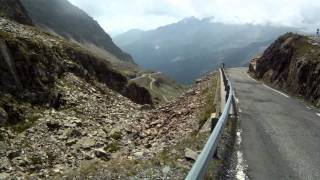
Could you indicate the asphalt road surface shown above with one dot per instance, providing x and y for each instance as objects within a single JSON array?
[{"x": 280, "y": 135}]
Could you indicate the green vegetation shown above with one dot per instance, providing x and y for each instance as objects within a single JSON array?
[
  {"x": 308, "y": 51},
  {"x": 116, "y": 135},
  {"x": 112, "y": 147},
  {"x": 163, "y": 88},
  {"x": 209, "y": 107},
  {"x": 26, "y": 123}
]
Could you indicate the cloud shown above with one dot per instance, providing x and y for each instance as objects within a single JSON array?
[{"x": 117, "y": 16}]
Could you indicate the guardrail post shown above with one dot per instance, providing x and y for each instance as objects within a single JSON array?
[{"x": 214, "y": 122}]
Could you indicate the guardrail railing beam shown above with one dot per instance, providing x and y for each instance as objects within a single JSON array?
[{"x": 200, "y": 167}]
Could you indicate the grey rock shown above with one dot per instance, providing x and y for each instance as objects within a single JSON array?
[
  {"x": 139, "y": 154},
  {"x": 166, "y": 170},
  {"x": 86, "y": 142},
  {"x": 71, "y": 142},
  {"x": 146, "y": 107},
  {"x": 4, "y": 176},
  {"x": 101, "y": 154},
  {"x": 3, "y": 148},
  {"x": 190, "y": 154}
]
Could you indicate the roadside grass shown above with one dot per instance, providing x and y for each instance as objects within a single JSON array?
[{"x": 210, "y": 105}]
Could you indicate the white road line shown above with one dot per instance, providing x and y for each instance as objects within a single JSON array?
[
  {"x": 241, "y": 167},
  {"x": 309, "y": 107},
  {"x": 251, "y": 77},
  {"x": 276, "y": 91},
  {"x": 318, "y": 114}
]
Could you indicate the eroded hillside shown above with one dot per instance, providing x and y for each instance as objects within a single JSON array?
[
  {"x": 63, "y": 18},
  {"x": 67, "y": 112},
  {"x": 292, "y": 63},
  {"x": 14, "y": 10}
]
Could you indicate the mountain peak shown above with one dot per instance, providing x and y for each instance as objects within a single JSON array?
[{"x": 189, "y": 19}]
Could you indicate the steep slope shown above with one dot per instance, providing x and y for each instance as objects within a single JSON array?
[
  {"x": 292, "y": 63},
  {"x": 186, "y": 49},
  {"x": 62, "y": 115},
  {"x": 61, "y": 17},
  {"x": 14, "y": 10},
  {"x": 31, "y": 62}
]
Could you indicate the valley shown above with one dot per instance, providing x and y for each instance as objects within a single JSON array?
[{"x": 187, "y": 49}]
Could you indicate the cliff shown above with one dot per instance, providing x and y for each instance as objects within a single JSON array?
[
  {"x": 14, "y": 10},
  {"x": 291, "y": 63},
  {"x": 31, "y": 62}
]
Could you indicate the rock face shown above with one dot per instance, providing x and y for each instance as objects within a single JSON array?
[
  {"x": 14, "y": 10},
  {"x": 31, "y": 61},
  {"x": 72, "y": 23},
  {"x": 292, "y": 63}
]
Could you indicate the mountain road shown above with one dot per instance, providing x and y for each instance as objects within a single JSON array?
[{"x": 280, "y": 135}]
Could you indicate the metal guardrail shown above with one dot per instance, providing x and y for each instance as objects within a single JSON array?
[{"x": 200, "y": 167}]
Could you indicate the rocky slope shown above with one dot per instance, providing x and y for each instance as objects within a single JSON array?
[
  {"x": 66, "y": 113},
  {"x": 97, "y": 133},
  {"x": 14, "y": 10},
  {"x": 32, "y": 61},
  {"x": 292, "y": 63},
  {"x": 63, "y": 18}
]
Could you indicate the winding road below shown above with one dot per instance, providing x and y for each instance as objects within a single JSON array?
[
  {"x": 153, "y": 80},
  {"x": 280, "y": 136}
]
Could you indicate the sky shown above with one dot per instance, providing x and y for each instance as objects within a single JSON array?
[{"x": 118, "y": 16}]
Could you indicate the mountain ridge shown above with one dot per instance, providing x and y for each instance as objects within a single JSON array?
[
  {"x": 62, "y": 17},
  {"x": 199, "y": 45}
]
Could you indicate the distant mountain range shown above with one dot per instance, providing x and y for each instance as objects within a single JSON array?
[{"x": 187, "y": 49}]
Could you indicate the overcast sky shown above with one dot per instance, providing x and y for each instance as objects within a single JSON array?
[{"x": 117, "y": 16}]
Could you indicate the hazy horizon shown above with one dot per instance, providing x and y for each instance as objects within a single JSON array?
[{"x": 117, "y": 17}]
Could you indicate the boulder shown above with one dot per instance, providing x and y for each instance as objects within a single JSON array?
[
  {"x": 86, "y": 142},
  {"x": 53, "y": 125},
  {"x": 190, "y": 154},
  {"x": 4, "y": 176},
  {"x": 101, "y": 154}
]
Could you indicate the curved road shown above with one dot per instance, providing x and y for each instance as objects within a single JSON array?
[
  {"x": 280, "y": 135},
  {"x": 153, "y": 80}
]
